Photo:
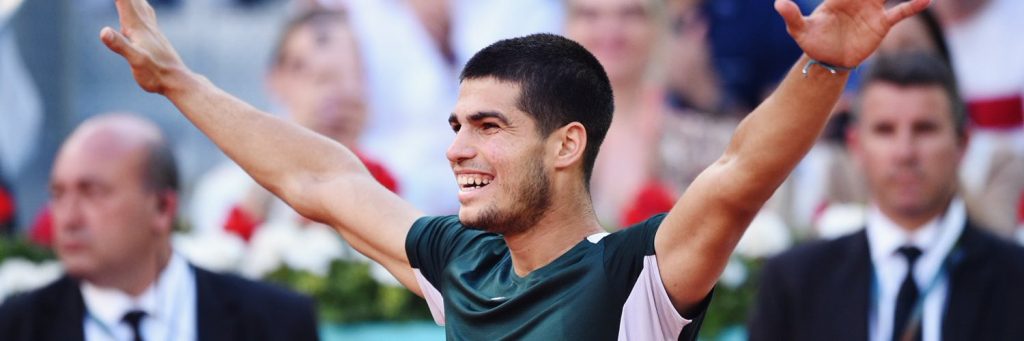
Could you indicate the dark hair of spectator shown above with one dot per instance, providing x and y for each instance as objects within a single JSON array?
[
  {"x": 160, "y": 171},
  {"x": 317, "y": 17},
  {"x": 935, "y": 34},
  {"x": 919, "y": 69},
  {"x": 931, "y": 23},
  {"x": 560, "y": 82}
]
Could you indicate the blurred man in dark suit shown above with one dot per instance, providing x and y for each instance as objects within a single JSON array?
[
  {"x": 920, "y": 270},
  {"x": 114, "y": 199}
]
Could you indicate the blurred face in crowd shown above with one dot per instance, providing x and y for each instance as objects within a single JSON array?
[
  {"x": 319, "y": 79},
  {"x": 620, "y": 33},
  {"x": 498, "y": 159},
  {"x": 106, "y": 219},
  {"x": 909, "y": 149}
]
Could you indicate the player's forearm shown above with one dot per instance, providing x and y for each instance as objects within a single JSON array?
[
  {"x": 278, "y": 154},
  {"x": 769, "y": 143}
]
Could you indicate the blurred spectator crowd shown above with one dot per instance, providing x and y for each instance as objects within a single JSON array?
[{"x": 381, "y": 77}]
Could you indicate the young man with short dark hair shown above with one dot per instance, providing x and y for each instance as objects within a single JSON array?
[{"x": 522, "y": 181}]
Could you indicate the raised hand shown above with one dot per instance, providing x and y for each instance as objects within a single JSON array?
[
  {"x": 844, "y": 32},
  {"x": 152, "y": 58}
]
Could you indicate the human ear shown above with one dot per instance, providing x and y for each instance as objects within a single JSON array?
[
  {"x": 853, "y": 143},
  {"x": 570, "y": 144},
  {"x": 166, "y": 209}
]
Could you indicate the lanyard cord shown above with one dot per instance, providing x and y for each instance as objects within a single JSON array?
[{"x": 916, "y": 315}]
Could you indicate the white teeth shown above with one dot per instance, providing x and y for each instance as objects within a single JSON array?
[{"x": 472, "y": 181}]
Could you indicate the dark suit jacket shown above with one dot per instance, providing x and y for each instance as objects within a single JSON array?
[
  {"x": 228, "y": 308},
  {"x": 821, "y": 291}
]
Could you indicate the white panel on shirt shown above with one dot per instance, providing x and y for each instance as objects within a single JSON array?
[
  {"x": 434, "y": 299},
  {"x": 648, "y": 313}
]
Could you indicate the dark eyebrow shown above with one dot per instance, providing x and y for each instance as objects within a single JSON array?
[
  {"x": 480, "y": 116},
  {"x": 453, "y": 120}
]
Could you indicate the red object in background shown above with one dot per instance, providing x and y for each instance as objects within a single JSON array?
[
  {"x": 42, "y": 228},
  {"x": 379, "y": 172},
  {"x": 244, "y": 225},
  {"x": 1020, "y": 210},
  {"x": 653, "y": 198},
  {"x": 997, "y": 113},
  {"x": 241, "y": 223},
  {"x": 6, "y": 208}
]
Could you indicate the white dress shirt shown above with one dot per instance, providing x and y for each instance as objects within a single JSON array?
[
  {"x": 169, "y": 304},
  {"x": 936, "y": 240}
]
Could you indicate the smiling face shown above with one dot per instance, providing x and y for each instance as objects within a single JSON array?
[
  {"x": 909, "y": 149},
  {"x": 498, "y": 158}
]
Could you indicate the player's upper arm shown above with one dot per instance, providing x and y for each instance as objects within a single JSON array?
[
  {"x": 371, "y": 218},
  {"x": 697, "y": 237}
]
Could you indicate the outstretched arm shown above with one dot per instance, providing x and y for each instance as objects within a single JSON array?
[
  {"x": 318, "y": 177},
  {"x": 694, "y": 242}
]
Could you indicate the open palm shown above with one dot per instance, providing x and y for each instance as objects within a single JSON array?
[
  {"x": 844, "y": 32},
  {"x": 150, "y": 55}
]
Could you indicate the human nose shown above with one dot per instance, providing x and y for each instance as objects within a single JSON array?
[
  {"x": 67, "y": 212},
  {"x": 904, "y": 146},
  {"x": 460, "y": 149}
]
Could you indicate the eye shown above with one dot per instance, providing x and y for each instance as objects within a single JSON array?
[
  {"x": 883, "y": 129},
  {"x": 489, "y": 127},
  {"x": 926, "y": 127},
  {"x": 94, "y": 190},
  {"x": 56, "y": 193},
  {"x": 634, "y": 13},
  {"x": 456, "y": 127},
  {"x": 584, "y": 13}
]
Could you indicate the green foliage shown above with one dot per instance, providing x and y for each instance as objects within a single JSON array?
[
  {"x": 731, "y": 305},
  {"x": 349, "y": 294},
  {"x": 23, "y": 248}
]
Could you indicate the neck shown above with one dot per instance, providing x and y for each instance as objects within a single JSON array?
[
  {"x": 912, "y": 221},
  {"x": 563, "y": 226},
  {"x": 135, "y": 280}
]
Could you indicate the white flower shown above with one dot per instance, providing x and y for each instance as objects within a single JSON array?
[
  {"x": 267, "y": 248},
  {"x": 20, "y": 275},
  {"x": 734, "y": 275},
  {"x": 840, "y": 220},
  {"x": 215, "y": 250},
  {"x": 310, "y": 248},
  {"x": 766, "y": 236},
  {"x": 314, "y": 248}
]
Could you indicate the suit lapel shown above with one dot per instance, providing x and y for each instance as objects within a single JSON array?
[
  {"x": 852, "y": 290},
  {"x": 969, "y": 281},
  {"x": 216, "y": 314},
  {"x": 66, "y": 312}
]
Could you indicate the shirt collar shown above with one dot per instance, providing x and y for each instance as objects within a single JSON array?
[
  {"x": 935, "y": 238},
  {"x": 108, "y": 305}
]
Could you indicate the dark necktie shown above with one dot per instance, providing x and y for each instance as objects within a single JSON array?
[
  {"x": 907, "y": 299},
  {"x": 134, "y": 319}
]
